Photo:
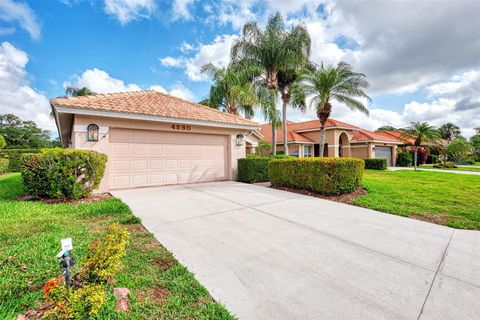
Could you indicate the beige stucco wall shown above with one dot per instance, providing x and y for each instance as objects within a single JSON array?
[
  {"x": 79, "y": 138},
  {"x": 332, "y": 137}
]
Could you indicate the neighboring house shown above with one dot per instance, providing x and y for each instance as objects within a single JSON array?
[
  {"x": 153, "y": 138},
  {"x": 342, "y": 140}
]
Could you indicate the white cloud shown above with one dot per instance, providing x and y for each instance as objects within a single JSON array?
[
  {"x": 21, "y": 13},
  {"x": 181, "y": 91},
  {"x": 186, "y": 47},
  {"x": 172, "y": 62},
  {"x": 129, "y": 10},
  {"x": 16, "y": 94},
  {"x": 216, "y": 52},
  {"x": 100, "y": 81},
  {"x": 158, "y": 88},
  {"x": 181, "y": 10}
]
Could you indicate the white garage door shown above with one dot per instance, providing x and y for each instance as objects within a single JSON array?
[
  {"x": 384, "y": 152},
  {"x": 149, "y": 158}
]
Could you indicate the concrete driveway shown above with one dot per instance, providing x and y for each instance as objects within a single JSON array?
[{"x": 270, "y": 254}]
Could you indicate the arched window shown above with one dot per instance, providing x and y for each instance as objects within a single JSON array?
[{"x": 92, "y": 132}]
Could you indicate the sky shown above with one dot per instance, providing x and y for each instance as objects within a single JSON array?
[{"x": 422, "y": 58}]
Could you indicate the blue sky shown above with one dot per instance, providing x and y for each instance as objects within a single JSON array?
[{"x": 422, "y": 64}]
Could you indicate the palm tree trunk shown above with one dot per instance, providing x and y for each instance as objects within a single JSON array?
[
  {"x": 321, "y": 147},
  {"x": 323, "y": 114},
  {"x": 274, "y": 138},
  {"x": 415, "y": 157},
  {"x": 284, "y": 120}
]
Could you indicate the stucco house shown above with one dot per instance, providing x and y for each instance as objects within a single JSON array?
[
  {"x": 342, "y": 140},
  {"x": 152, "y": 138}
]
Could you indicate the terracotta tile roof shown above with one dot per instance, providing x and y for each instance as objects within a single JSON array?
[
  {"x": 151, "y": 103},
  {"x": 266, "y": 131},
  {"x": 365, "y": 135},
  {"x": 398, "y": 135},
  {"x": 315, "y": 124}
]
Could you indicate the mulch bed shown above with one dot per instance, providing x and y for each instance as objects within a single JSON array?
[
  {"x": 344, "y": 198},
  {"x": 90, "y": 199}
]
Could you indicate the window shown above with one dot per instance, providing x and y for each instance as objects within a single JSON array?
[
  {"x": 293, "y": 151},
  {"x": 307, "y": 151},
  {"x": 92, "y": 131}
]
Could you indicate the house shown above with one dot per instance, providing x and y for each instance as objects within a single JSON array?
[
  {"x": 152, "y": 138},
  {"x": 341, "y": 140}
]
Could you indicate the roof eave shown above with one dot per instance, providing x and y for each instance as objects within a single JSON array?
[{"x": 134, "y": 116}]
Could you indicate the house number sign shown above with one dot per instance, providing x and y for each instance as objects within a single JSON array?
[{"x": 180, "y": 127}]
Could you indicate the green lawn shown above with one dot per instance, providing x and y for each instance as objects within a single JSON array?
[
  {"x": 29, "y": 240},
  {"x": 450, "y": 197},
  {"x": 469, "y": 168}
]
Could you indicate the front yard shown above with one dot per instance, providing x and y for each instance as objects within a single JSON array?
[
  {"x": 442, "y": 198},
  {"x": 29, "y": 240},
  {"x": 472, "y": 168}
]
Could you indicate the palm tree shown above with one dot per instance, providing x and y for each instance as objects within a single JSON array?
[
  {"x": 279, "y": 52},
  {"x": 233, "y": 89},
  {"x": 338, "y": 83},
  {"x": 270, "y": 113},
  {"x": 449, "y": 131},
  {"x": 289, "y": 93},
  {"x": 421, "y": 132},
  {"x": 76, "y": 92}
]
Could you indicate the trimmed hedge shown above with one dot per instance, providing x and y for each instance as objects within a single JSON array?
[
  {"x": 15, "y": 157},
  {"x": 59, "y": 173},
  {"x": 322, "y": 175},
  {"x": 254, "y": 168},
  {"x": 376, "y": 163},
  {"x": 4, "y": 165}
]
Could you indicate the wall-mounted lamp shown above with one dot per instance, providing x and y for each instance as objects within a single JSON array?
[
  {"x": 92, "y": 132},
  {"x": 239, "y": 140}
]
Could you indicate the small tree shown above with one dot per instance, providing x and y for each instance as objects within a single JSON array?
[
  {"x": 263, "y": 148},
  {"x": 421, "y": 132},
  {"x": 459, "y": 150},
  {"x": 3, "y": 143},
  {"x": 449, "y": 131}
]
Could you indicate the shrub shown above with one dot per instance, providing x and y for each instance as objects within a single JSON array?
[
  {"x": 82, "y": 303},
  {"x": 3, "y": 143},
  {"x": 254, "y": 168},
  {"x": 404, "y": 159},
  {"x": 445, "y": 165},
  {"x": 263, "y": 148},
  {"x": 322, "y": 175},
  {"x": 459, "y": 150},
  {"x": 432, "y": 158},
  {"x": 376, "y": 164},
  {"x": 4, "y": 165},
  {"x": 57, "y": 173},
  {"x": 105, "y": 255},
  {"x": 15, "y": 157},
  {"x": 422, "y": 155}
]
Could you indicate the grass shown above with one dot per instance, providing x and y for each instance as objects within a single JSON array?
[
  {"x": 29, "y": 240},
  {"x": 469, "y": 168},
  {"x": 439, "y": 197}
]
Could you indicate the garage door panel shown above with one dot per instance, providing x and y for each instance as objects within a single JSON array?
[
  {"x": 171, "y": 164},
  {"x": 171, "y": 150},
  {"x": 149, "y": 158},
  {"x": 138, "y": 150},
  {"x": 156, "y": 179},
  {"x": 120, "y": 150},
  {"x": 155, "y": 150},
  {"x": 140, "y": 179},
  {"x": 120, "y": 166},
  {"x": 384, "y": 152},
  {"x": 156, "y": 164},
  {"x": 139, "y": 165}
]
